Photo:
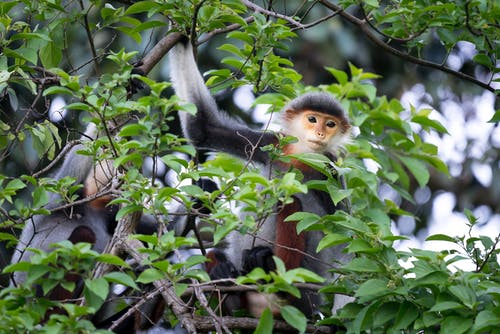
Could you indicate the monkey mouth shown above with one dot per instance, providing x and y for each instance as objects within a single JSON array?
[{"x": 316, "y": 143}]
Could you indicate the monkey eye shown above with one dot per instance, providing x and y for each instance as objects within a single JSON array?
[
  {"x": 311, "y": 119},
  {"x": 331, "y": 124}
]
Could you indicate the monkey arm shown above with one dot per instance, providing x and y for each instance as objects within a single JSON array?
[{"x": 210, "y": 128}]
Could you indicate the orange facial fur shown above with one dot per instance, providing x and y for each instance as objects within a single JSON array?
[{"x": 316, "y": 132}]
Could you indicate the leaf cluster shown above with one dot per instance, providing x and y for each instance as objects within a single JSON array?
[{"x": 134, "y": 113}]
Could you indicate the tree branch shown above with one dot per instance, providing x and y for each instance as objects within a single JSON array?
[
  {"x": 227, "y": 29},
  {"x": 158, "y": 51},
  {"x": 259, "y": 9},
  {"x": 89, "y": 36},
  {"x": 206, "y": 324},
  {"x": 178, "y": 307},
  {"x": 366, "y": 29}
]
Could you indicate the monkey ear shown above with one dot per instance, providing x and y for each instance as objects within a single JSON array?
[
  {"x": 346, "y": 126},
  {"x": 290, "y": 114}
]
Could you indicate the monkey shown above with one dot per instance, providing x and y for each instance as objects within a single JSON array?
[
  {"x": 91, "y": 222},
  {"x": 319, "y": 124}
]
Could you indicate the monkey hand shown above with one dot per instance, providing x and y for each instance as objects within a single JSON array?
[
  {"x": 219, "y": 266},
  {"x": 258, "y": 257}
]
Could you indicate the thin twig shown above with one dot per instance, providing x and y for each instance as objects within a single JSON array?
[
  {"x": 61, "y": 155},
  {"x": 219, "y": 31},
  {"x": 366, "y": 29},
  {"x": 259, "y": 9},
  {"x": 89, "y": 36}
]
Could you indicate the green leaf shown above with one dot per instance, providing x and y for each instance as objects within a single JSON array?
[
  {"x": 426, "y": 122},
  {"x": 50, "y": 55},
  {"x": 364, "y": 265},
  {"x": 78, "y": 106},
  {"x": 380, "y": 218},
  {"x": 266, "y": 323},
  {"x": 372, "y": 3},
  {"x": 371, "y": 289},
  {"x": 406, "y": 315},
  {"x": 455, "y": 325},
  {"x": 223, "y": 230},
  {"x": 148, "y": 25},
  {"x": 484, "y": 60},
  {"x": 332, "y": 239},
  {"x": 361, "y": 318},
  {"x": 440, "y": 237},
  {"x": 28, "y": 54},
  {"x": 241, "y": 36},
  {"x": 339, "y": 75},
  {"x": 495, "y": 118},
  {"x": 57, "y": 90},
  {"x": 141, "y": 6},
  {"x": 433, "y": 278},
  {"x": 417, "y": 168},
  {"x": 445, "y": 305},
  {"x": 15, "y": 185},
  {"x": 131, "y": 130},
  {"x": 113, "y": 260},
  {"x": 361, "y": 246},
  {"x": 96, "y": 291},
  {"x": 304, "y": 219},
  {"x": 353, "y": 224},
  {"x": 430, "y": 319},
  {"x": 6, "y": 6},
  {"x": 180, "y": 288},
  {"x": 40, "y": 197},
  {"x": 30, "y": 36},
  {"x": 465, "y": 294},
  {"x": 150, "y": 275},
  {"x": 121, "y": 278},
  {"x": 8, "y": 237},
  {"x": 485, "y": 320},
  {"x": 128, "y": 210},
  {"x": 20, "y": 266},
  {"x": 193, "y": 190},
  {"x": 304, "y": 275},
  {"x": 337, "y": 195},
  {"x": 232, "y": 49},
  {"x": 385, "y": 313},
  {"x": 370, "y": 91},
  {"x": 294, "y": 318}
]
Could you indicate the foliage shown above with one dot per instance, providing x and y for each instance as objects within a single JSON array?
[
  {"x": 23, "y": 307},
  {"x": 135, "y": 114},
  {"x": 392, "y": 298}
]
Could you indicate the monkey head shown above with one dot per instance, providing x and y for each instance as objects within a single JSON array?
[{"x": 318, "y": 122}]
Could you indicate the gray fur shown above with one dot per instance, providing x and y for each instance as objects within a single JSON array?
[
  {"x": 211, "y": 129},
  {"x": 43, "y": 230},
  {"x": 321, "y": 102}
]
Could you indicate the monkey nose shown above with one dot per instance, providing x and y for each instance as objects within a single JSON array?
[{"x": 320, "y": 134}]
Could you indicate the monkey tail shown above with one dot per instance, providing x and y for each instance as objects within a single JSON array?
[{"x": 188, "y": 81}]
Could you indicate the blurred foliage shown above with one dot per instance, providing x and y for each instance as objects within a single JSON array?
[{"x": 87, "y": 52}]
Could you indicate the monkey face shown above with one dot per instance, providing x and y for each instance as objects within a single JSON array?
[{"x": 314, "y": 130}]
